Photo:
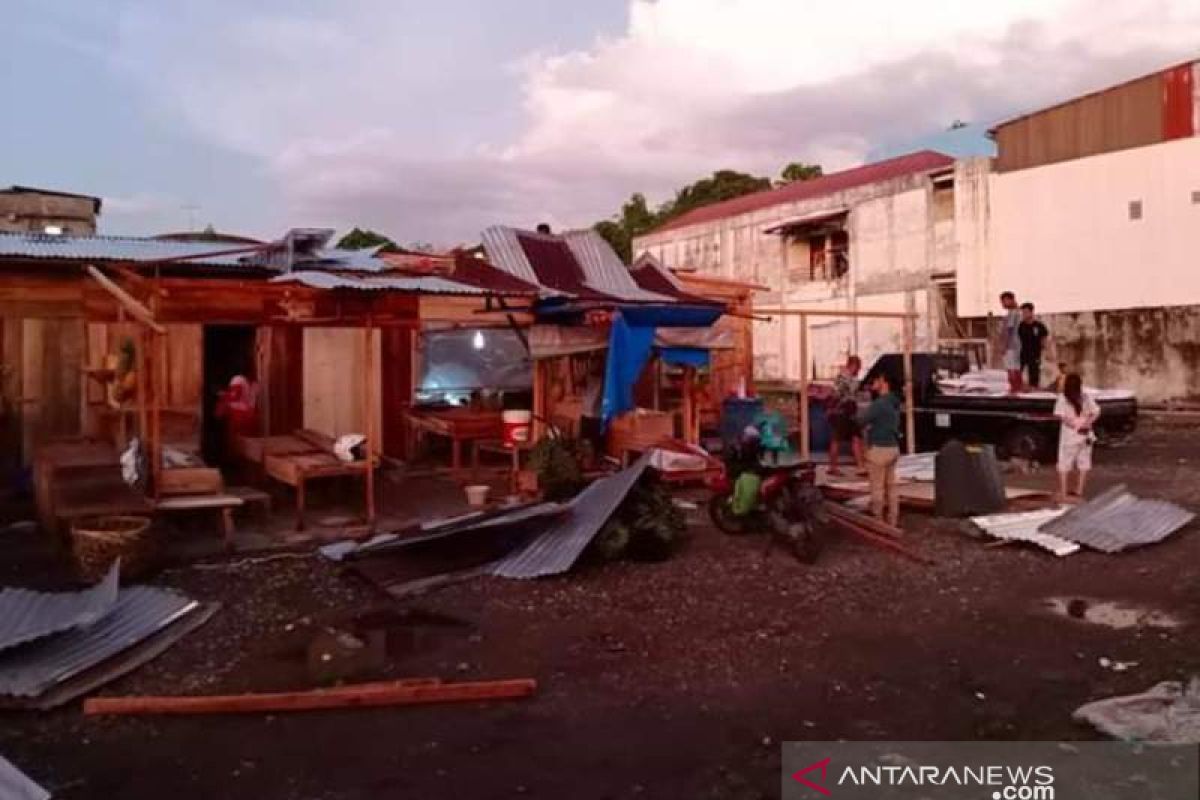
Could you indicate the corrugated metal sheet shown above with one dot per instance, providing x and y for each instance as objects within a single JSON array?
[
  {"x": 422, "y": 284},
  {"x": 1023, "y": 526},
  {"x": 604, "y": 271},
  {"x": 110, "y": 248},
  {"x": 1117, "y": 520},
  {"x": 140, "y": 611},
  {"x": 26, "y": 615},
  {"x": 559, "y": 546},
  {"x": 919, "y": 467},
  {"x": 505, "y": 252},
  {"x": 911, "y": 164},
  {"x": 16, "y": 785}
]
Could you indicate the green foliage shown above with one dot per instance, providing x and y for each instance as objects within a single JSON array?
[
  {"x": 648, "y": 526},
  {"x": 799, "y": 171},
  {"x": 555, "y": 459},
  {"x": 637, "y": 217},
  {"x": 359, "y": 239}
]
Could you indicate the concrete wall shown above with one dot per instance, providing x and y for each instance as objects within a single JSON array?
[
  {"x": 25, "y": 212},
  {"x": 901, "y": 232}
]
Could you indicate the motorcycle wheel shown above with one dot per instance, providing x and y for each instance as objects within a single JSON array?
[
  {"x": 805, "y": 542},
  {"x": 721, "y": 514}
]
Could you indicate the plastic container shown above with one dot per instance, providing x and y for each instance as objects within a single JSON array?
[
  {"x": 736, "y": 414},
  {"x": 516, "y": 423},
  {"x": 477, "y": 495}
]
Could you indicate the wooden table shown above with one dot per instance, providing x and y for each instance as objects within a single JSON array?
[
  {"x": 457, "y": 424},
  {"x": 297, "y": 469}
]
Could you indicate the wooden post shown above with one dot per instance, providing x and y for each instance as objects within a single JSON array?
[
  {"x": 689, "y": 407},
  {"x": 369, "y": 411},
  {"x": 539, "y": 398},
  {"x": 910, "y": 427},
  {"x": 158, "y": 376},
  {"x": 141, "y": 362},
  {"x": 805, "y": 423}
]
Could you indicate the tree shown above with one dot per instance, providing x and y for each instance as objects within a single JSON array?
[
  {"x": 359, "y": 239},
  {"x": 799, "y": 171},
  {"x": 724, "y": 184},
  {"x": 635, "y": 219}
]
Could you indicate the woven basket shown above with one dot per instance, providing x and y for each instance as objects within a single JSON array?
[{"x": 98, "y": 541}]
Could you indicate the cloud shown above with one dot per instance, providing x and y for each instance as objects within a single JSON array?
[{"x": 358, "y": 119}]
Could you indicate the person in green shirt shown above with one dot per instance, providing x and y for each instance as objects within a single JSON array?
[{"x": 881, "y": 419}]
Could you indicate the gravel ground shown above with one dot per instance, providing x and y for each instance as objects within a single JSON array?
[{"x": 676, "y": 679}]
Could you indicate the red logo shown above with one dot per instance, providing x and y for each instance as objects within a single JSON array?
[{"x": 822, "y": 765}]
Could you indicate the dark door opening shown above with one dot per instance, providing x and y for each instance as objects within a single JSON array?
[{"x": 228, "y": 351}]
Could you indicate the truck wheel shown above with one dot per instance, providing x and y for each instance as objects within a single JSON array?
[{"x": 1025, "y": 442}]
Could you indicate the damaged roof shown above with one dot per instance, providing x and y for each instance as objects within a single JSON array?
[
  {"x": 27, "y": 615},
  {"x": 1117, "y": 520}
]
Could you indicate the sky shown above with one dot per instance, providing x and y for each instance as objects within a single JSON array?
[{"x": 429, "y": 121}]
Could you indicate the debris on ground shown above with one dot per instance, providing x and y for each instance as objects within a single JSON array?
[
  {"x": 646, "y": 526},
  {"x": 64, "y": 661},
  {"x": 1167, "y": 713},
  {"x": 16, "y": 785},
  {"x": 873, "y": 531},
  {"x": 1023, "y": 526},
  {"x": 1116, "y": 520},
  {"x": 1111, "y": 614},
  {"x": 412, "y": 691}
]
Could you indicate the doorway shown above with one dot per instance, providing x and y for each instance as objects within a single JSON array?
[{"x": 228, "y": 351}]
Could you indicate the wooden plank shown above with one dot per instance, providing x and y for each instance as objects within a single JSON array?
[
  {"x": 127, "y": 301},
  {"x": 198, "y": 502},
  {"x": 805, "y": 405},
  {"x": 394, "y": 693},
  {"x": 190, "y": 480},
  {"x": 816, "y": 312},
  {"x": 369, "y": 410}
]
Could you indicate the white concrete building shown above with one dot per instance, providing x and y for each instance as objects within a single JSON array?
[
  {"x": 1091, "y": 210},
  {"x": 878, "y": 237}
]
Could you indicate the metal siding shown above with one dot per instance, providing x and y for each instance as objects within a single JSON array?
[
  {"x": 1117, "y": 520},
  {"x": 140, "y": 611},
  {"x": 26, "y": 615},
  {"x": 557, "y": 549}
]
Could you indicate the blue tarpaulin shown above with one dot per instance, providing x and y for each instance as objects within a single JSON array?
[
  {"x": 628, "y": 349},
  {"x": 684, "y": 356}
]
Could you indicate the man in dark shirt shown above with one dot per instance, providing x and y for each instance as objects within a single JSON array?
[
  {"x": 1032, "y": 334},
  {"x": 881, "y": 420}
]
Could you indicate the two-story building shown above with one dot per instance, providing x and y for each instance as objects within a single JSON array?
[{"x": 879, "y": 237}]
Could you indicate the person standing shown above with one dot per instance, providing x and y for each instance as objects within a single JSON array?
[
  {"x": 1033, "y": 335},
  {"x": 1010, "y": 341},
  {"x": 1078, "y": 413},
  {"x": 843, "y": 416},
  {"x": 881, "y": 419}
]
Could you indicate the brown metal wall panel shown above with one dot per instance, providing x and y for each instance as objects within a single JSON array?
[{"x": 1130, "y": 115}]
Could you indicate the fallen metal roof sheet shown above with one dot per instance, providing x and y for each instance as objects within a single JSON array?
[
  {"x": 1023, "y": 526},
  {"x": 421, "y": 284},
  {"x": 604, "y": 271},
  {"x": 140, "y": 611},
  {"x": 504, "y": 251},
  {"x": 16, "y": 785},
  {"x": 1117, "y": 520},
  {"x": 557, "y": 548},
  {"x": 27, "y": 615},
  {"x": 917, "y": 467}
]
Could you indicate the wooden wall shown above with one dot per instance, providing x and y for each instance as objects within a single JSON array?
[
  {"x": 41, "y": 366},
  {"x": 334, "y": 378}
]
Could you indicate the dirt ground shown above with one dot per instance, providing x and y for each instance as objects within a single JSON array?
[{"x": 669, "y": 680}]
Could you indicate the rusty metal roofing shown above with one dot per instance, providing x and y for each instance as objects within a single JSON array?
[
  {"x": 16, "y": 785},
  {"x": 552, "y": 262},
  {"x": 557, "y": 548},
  {"x": 653, "y": 278},
  {"x": 1117, "y": 520},
  {"x": 1022, "y": 526},
  {"x": 417, "y": 284},
  {"x": 911, "y": 164},
  {"x": 139, "y": 612},
  {"x": 479, "y": 273},
  {"x": 27, "y": 615}
]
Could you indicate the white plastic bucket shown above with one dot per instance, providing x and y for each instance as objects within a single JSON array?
[
  {"x": 517, "y": 423},
  {"x": 477, "y": 495}
]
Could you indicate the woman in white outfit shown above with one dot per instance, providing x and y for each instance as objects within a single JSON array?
[{"x": 1078, "y": 413}]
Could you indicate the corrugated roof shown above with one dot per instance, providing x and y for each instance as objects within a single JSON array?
[
  {"x": 110, "y": 248},
  {"x": 421, "y": 284},
  {"x": 16, "y": 785},
  {"x": 910, "y": 164},
  {"x": 26, "y": 615},
  {"x": 559, "y": 546},
  {"x": 479, "y": 273},
  {"x": 140, "y": 611},
  {"x": 1023, "y": 527},
  {"x": 807, "y": 219},
  {"x": 1117, "y": 520},
  {"x": 603, "y": 269}
]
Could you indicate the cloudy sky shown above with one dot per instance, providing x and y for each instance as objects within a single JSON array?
[{"x": 429, "y": 120}]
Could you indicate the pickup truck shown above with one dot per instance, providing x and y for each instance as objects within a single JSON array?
[{"x": 952, "y": 402}]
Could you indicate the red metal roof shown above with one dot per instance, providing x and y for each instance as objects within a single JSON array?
[
  {"x": 476, "y": 272},
  {"x": 651, "y": 279},
  {"x": 911, "y": 164}
]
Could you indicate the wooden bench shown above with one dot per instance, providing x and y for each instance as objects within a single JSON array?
[{"x": 224, "y": 503}]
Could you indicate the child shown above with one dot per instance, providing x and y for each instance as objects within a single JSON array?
[{"x": 1078, "y": 413}]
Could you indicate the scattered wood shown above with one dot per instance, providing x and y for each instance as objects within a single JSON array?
[
  {"x": 413, "y": 691},
  {"x": 863, "y": 521},
  {"x": 873, "y": 531}
]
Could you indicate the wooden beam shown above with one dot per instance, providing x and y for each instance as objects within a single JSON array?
[
  {"x": 391, "y": 693},
  {"x": 805, "y": 410},
  {"x": 369, "y": 366},
  {"x": 818, "y": 312},
  {"x": 127, "y": 301}
]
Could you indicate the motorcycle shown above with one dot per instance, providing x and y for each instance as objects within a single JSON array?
[{"x": 789, "y": 506}]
